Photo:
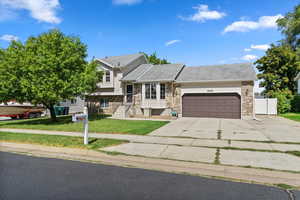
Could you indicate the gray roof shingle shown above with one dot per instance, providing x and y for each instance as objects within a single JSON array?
[
  {"x": 136, "y": 73},
  {"x": 167, "y": 72},
  {"x": 121, "y": 61},
  {"x": 297, "y": 77},
  {"x": 149, "y": 73},
  {"x": 228, "y": 72}
]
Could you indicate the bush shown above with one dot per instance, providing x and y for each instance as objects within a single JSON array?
[
  {"x": 295, "y": 103},
  {"x": 283, "y": 101}
]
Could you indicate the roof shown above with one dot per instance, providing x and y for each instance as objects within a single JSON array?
[
  {"x": 149, "y": 73},
  {"x": 136, "y": 73},
  {"x": 121, "y": 61},
  {"x": 228, "y": 72},
  {"x": 298, "y": 77}
]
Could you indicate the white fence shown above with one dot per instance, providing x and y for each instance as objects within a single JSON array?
[{"x": 266, "y": 106}]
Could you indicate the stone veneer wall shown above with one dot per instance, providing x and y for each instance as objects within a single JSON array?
[
  {"x": 136, "y": 109},
  {"x": 137, "y": 100},
  {"x": 177, "y": 99},
  {"x": 247, "y": 99},
  {"x": 114, "y": 102}
]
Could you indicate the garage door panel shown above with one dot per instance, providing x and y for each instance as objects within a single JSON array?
[{"x": 211, "y": 105}]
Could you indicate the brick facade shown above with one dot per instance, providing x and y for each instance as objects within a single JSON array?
[
  {"x": 114, "y": 102},
  {"x": 247, "y": 99}
]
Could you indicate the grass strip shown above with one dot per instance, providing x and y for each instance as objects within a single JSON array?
[{"x": 58, "y": 141}]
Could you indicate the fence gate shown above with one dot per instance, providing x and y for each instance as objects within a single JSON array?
[{"x": 266, "y": 106}]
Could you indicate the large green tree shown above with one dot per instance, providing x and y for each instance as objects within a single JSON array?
[
  {"x": 290, "y": 27},
  {"x": 47, "y": 69},
  {"x": 278, "y": 69},
  {"x": 153, "y": 59}
]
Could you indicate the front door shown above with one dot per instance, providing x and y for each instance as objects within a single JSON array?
[{"x": 129, "y": 93}]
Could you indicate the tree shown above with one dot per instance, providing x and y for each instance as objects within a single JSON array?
[
  {"x": 278, "y": 68},
  {"x": 47, "y": 69},
  {"x": 11, "y": 70},
  {"x": 153, "y": 59},
  {"x": 290, "y": 27}
]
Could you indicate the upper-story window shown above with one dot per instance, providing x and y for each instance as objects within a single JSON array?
[
  {"x": 150, "y": 92},
  {"x": 162, "y": 91},
  {"x": 107, "y": 76}
]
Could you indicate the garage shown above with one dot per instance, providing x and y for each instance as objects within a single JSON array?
[{"x": 219, "y": 105}]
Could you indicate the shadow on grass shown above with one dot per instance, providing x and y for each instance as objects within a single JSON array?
[{"x": 47, "y": 121}]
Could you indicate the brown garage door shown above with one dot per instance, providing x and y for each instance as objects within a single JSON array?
[{"x": 212, "y": 105}]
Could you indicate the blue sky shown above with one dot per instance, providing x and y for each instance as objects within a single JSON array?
[{"x": 194, "y": 32}]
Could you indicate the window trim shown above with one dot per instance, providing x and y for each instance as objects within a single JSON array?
[
  {"x": 150, "y": 91},
  {"x": 107, "y": 76}
]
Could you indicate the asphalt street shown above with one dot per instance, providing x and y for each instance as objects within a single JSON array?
[{"x": 34, "y": 178}]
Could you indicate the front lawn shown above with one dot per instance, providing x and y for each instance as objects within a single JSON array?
[
  {"x": 292, "y": 116},
  {"x": 97, "y": 124},
  {"x": 57, "y": 141}
]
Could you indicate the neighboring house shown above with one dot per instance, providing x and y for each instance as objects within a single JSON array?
[
  {"x": 75, "y": 105},
  {"x": 298, "y": 83},
  {"x": 133, "y": 88}
]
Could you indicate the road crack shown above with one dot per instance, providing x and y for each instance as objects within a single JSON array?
[{"x": 291, "y": 194}]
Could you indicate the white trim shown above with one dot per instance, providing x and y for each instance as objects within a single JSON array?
[
  {"x": 106, "y": 63},
  {"x": 211, "y": 81}
]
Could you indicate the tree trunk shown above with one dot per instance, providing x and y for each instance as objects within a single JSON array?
[{"x": 52, "y": 113}]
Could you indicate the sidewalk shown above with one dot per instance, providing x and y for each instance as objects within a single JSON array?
[
  {"x": 192, "y": 142},
  {"x": 210, "y": 170}
]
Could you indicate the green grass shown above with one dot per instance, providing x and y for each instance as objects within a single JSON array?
[
  {"x": 295, "y": 153},
  {"x": 58, "y": 141},
  {"x": 284, "y": 186},
  {"x": 292, "y": 116},
  {"x": 98, "y": 123}
]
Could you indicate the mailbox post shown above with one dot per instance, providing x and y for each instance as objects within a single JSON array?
[
  {"x": 83, "y": 118},
  {"x": 86, "y": 126}
]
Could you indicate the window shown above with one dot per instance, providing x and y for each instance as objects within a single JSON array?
[
  {"x": 73, "y": 101},
  {"x": 107, "y": 76},
  {"x": 162, "y": 91},
  {"x": 153, "y": 91},
  {"x": 150, "y": 92},
  {"x": 104, "y": 103},
  {"x": 147, "y": 86}
]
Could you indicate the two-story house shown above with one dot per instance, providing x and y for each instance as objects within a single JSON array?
[
  {"x": 132, "y": 87},
  {"x": 111, "y": 92}
]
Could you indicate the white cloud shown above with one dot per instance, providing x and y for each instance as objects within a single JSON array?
[
  {"x": 42, "y": 10},
  {"x": 126, "y": 2},
  {"x": 172, "y": 42},
  {"x": 244, "y": 26},
  {"x": 249, "y": 57},
  {"x": 8, "y": 37},
  {"x": 262, "y": 47},
  {"x": 203, "y": 14}
]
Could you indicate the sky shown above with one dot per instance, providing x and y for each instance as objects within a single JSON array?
[{"x": 192, "y": 32}]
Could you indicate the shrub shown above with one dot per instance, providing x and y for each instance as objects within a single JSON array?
[
  {"x": 295, "y": 103},
  {"x": 283, "y": 101}
]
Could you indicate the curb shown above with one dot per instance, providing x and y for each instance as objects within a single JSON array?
[{"x": 232, "y": 173}]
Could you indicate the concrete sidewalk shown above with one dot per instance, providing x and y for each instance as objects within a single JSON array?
[
  {"x": 227, "y": 172},
  {"x": 148, "y": 139}
]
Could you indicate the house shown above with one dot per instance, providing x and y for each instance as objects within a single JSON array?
[
  {"x": 75, "y": 105},
  {"x": 132, "y": 87},
  {"x": 298, "y": 83}
]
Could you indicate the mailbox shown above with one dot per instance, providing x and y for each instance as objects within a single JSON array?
[{"x": 79, "y": 117}]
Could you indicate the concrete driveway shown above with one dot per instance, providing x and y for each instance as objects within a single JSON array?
[
  {"x": 274, "y": 129},
  {"x": 258, "y": 143}
]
